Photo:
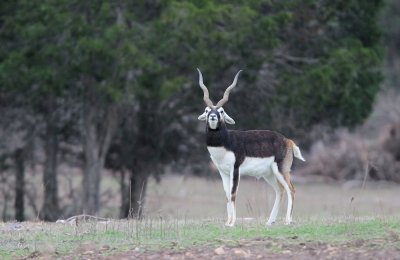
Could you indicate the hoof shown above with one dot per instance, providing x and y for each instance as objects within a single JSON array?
[
  {"x": 270, "y": 223},
  {"x": 227, "y": 224},
  {"x": 287, "y": 223}
]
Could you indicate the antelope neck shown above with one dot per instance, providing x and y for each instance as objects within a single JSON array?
[{"x": 217, "y": 137}]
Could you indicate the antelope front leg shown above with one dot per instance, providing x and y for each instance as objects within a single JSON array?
[
  {"x": 225, "y": 182},
  {"x": 230, "y": 207},
  {"x": 233, "y": 187}
]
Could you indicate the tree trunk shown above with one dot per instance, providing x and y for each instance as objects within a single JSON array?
[
  {"x": 5, "y": 191},
  {"x": 50, "y": 209},
  {"x": 91, "y": 177},
  {"x": 6, "y": 197},
  {"x": 19, "y": 184},
  {"x": 97, "y": 139},
  {"x": 144, "y": 160},
  {"x": 134, "y": 195},
  {"x": 138, "y": 186},
  {"x": 124, "y": 189}
]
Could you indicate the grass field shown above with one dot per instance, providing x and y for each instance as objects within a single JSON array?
[{"x": 185, "y": 218}]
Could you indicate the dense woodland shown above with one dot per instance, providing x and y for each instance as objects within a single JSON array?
[{"x": 110, "y": 87}]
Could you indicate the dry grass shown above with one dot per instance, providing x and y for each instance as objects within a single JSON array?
[
  {"x": 188, "y": 214},
  {"x": 177, "y": 196}
]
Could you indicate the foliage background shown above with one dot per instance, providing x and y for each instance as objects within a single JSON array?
[{"x": 109, "y": 87}]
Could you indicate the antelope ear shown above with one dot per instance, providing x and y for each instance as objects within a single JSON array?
[
  {"x": 228, "y": 119},
  {"x": 203, "y": 116}
]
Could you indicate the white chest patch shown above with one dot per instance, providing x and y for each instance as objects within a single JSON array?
[
  {"x": 223, "y": 159},
  {"x": 257, "y": 167}
]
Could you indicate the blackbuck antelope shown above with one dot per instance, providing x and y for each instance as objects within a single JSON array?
[{"x": 258, "y": 153}]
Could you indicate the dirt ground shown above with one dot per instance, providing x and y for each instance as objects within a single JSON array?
[{"x": 257, "y": 248}]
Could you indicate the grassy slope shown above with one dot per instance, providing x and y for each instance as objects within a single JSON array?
[{"x": 156, "y": 234}]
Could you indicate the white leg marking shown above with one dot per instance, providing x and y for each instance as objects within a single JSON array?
[
  {"x": 231, "y": 220},
  {"x": 225, "y": 182},
  {"x": 224, "y": 160},
  {"x": 278, "y": 196},
  {"x": 282, "y": 181}
]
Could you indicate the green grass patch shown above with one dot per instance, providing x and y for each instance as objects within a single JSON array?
[{"x": 158, "y": 234}]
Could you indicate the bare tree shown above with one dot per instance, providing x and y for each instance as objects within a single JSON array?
[{"x": 99, "y": 125}]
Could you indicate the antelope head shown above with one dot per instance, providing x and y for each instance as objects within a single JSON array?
[{"x": 215, "y": 115}]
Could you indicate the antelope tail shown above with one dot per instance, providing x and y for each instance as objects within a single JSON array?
[{"x": 296, "y": 151}]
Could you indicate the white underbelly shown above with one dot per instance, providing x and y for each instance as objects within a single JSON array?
[
  {"x": 224, "y": 160},
  {"x": 257, "y": 167}
]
